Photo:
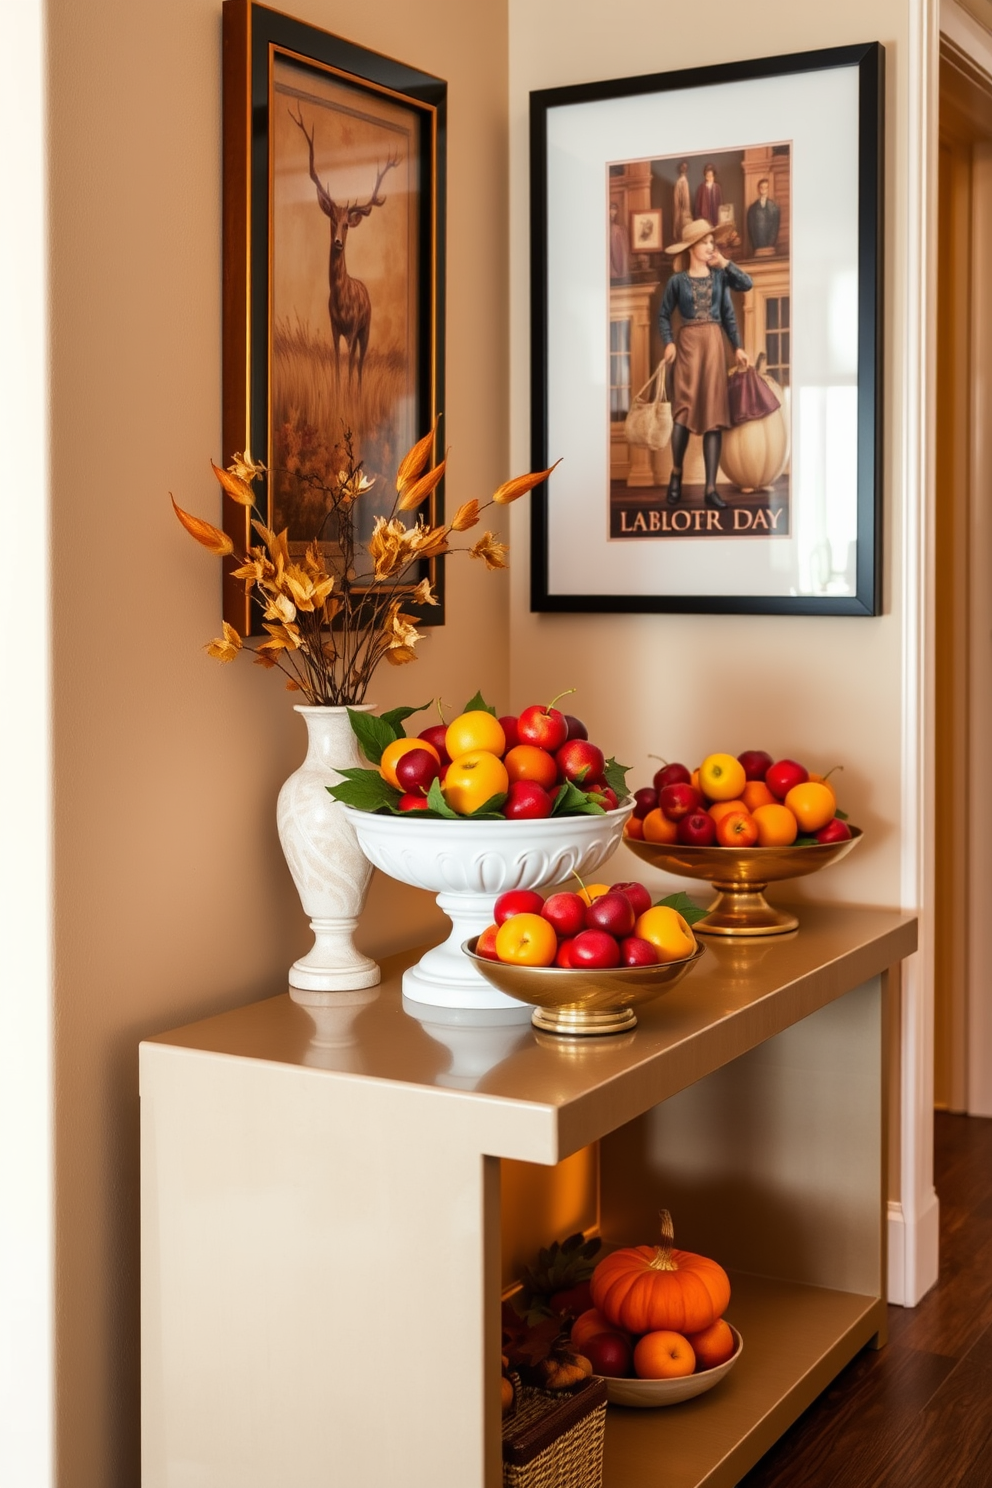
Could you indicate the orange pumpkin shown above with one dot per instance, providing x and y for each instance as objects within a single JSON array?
[{"x": 651, "y": 1287}]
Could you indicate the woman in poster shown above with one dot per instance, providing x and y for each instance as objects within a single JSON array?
[{"x": 701, "y": 294}]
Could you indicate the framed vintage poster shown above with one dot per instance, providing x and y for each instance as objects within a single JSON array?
[
  {"x": 333, "y": 272},
  {"x": 716, "y": 403}
]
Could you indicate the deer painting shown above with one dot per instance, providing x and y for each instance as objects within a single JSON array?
[{"x": 348, "y": 303}]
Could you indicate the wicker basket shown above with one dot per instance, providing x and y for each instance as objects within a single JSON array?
[{"x": 554, "y": 1439}]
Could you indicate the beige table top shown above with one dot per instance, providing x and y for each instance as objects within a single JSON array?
[{"x": 741, "y": 993}]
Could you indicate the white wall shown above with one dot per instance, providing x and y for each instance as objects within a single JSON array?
[{"x": 826, "y": 690}]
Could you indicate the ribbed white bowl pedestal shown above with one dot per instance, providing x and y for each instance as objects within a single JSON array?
[{"x": 467, "y": 864}]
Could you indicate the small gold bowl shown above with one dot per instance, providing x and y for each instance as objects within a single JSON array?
[
  {"x": 587, "y": 1001},
  {"x": 740, "y": 876}
]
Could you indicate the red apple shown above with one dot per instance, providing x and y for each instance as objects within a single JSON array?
[
  {"x": 578, "y": 761},
  {"x": 609, "y": 1353},
  {"x": 576, "y": 728},
  {"x": 545, "y": 727},
  {"x": 526, "y": 800},
  {"x": 737, "y": 829},
  {"x": 783, "y": 775},
  {"x": 435, "y": 736},
  {"x": 673, "y": 774},
  {"x": 836, "y": 830},
  {"x": 565, "y": 911},
  {"x": 408, "y": 802},
  {"x": 517, "y": 901},
  {"x": 563, "y": 956},
  {"x": 594, "y": 948},
  {"x": 697, "y": 830},
  {"x": 679, "y": 800},
  {"x": 634, "y": 951},
  {"x": 604, "y": 793},
  {"x": 645, "y": 800},
  {"x": 611, "y": 912},
  {"x": 755, "y": 762},
  {"x": 415, "y": 771},
  {"x": 636, "y": 893},
  {"x": 576, "y": 1299},
  {"x": 509, "y": 726},
  {"x": 486, "y": 943}
]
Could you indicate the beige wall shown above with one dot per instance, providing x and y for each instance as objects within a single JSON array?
[
  {"x": 172, "y": 897},
  {"x": 827, "y": 690}
]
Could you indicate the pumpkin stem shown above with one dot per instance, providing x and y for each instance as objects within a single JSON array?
[{"x": 663, "y": 1253}]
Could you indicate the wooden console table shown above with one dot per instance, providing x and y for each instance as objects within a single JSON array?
[{"x": 321, "y": 1212}]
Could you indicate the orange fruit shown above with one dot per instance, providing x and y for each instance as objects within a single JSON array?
[
  {"x": 528, "y": 762},
  {"x": 634, "y": 828},
  {"x": 657, "y": 828},
  {"x": 593, "y": 891},
  {"x": 395, "y": 751},
  {"x": 822, "y": 780},
  {"x": 714, "y": 1345},
  {"x": 721, "y": 808},
  {"x": 755, "y": 794},
  {"x": 777, "y": 827},
  {"x": 812, "y": 804},
  {"x": 527, "y": 940},
  {"x": 663, "y": 1355},
  {"x": 472, "y": 731},
  {"x": 473, "y": 779},
  {"x": 721, "y": 777},
  {"x": 667, "y": 931}
]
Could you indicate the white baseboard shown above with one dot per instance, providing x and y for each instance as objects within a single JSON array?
[{"x": 913, "y": 1253}]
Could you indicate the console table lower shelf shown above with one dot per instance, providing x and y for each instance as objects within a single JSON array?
[{"x": 796, "y": 1340}]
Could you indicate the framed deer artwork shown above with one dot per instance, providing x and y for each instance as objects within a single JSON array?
[{"x": 334, "y": 179}]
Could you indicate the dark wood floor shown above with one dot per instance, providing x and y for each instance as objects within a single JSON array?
[{"x": 917, "y": 1413}]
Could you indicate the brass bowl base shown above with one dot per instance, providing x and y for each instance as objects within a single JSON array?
[
  {"x": 744, "y": 912},
  {"x": 583, "y": 1023}
]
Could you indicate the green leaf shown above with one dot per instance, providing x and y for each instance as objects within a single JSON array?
[
  {"x": 616, "y": 777},
  {"x": 805, "y": 839},
  {"x": 436, "y": 802},
  {"x": 396, "y": 717},
  {"x": 478, "y": 704},
  {"x": 842, "y": 815},
  {"x": 689, "y": 911},
  {"x": 489, "y": 808},
  {"x": 373, "y": 733},
  {"x": 364, "y": 789},
  {"x": 570, "y": 801}
]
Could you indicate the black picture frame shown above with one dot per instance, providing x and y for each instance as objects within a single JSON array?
[
  {"x": 266, "y": 54},
  {"x": 560, "y": 195}
]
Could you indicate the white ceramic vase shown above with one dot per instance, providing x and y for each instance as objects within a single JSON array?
[{"x": 329, "y": 869}]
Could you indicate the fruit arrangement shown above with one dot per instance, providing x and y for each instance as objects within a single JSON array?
[
  {"x": 599, "y": 927},
  {"x": 537, "y": 764},
  {"x": 750, "y": 801},
  {"x": 657, "y": 1313},
  {"x": 535, "y": 1327}
]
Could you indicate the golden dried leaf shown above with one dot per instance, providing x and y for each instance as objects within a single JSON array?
[
  {"x": 424, "y": 594},
  {"x": 490, "y": 550},
  {"x": 262, "y": 660},
  {"x": 236, "y": 488},
  {"x": 521, "y": 484},
  {"x": 415, "y": 460},
  {"x": 414, "y": 494},
  {"x": 225, "y": 647},
  {"x": 427, "y": 542},
  {"x": 400, "y": 655},
  {"x": 211, "y": 537},
  {"x": 281, "y": 608},
  {"x": 245, "y": 467},
  {"x": 466, "y": 516}
]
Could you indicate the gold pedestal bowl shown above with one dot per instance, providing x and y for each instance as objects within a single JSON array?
[
  {"x": 585, "y": 1001},
  {"x": 741, "y": 875}
]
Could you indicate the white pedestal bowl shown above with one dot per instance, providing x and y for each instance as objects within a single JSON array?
[{"x": 467, "y": 864}]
